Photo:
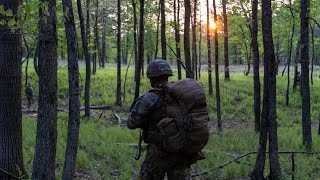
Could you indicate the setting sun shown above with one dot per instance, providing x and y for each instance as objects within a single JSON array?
[{"x": 212, "y": 25}]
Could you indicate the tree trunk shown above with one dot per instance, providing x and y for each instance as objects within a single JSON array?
[
  {"x": 226, "y": 39},
  {"x": 194, "y": 41},
  {"x": 11, "y": 157},
  {"x": 200, "y": 37},
  {"x": 118, "y": 95},
  {"x": 157, "y": 33},
  {"x": 177, "y": 34},
  {"x": 45, "y": 148},
  {"x": 289, "y": 55},
  {"x": 278, "y": 46},
  {"x": 269, "y": 122},
  {"x": 163, "y": 30},
  {"x": 313, "y": 53},
  {"x": 246, "y": 49},
  {"x": 186, "y": 38},
  {"x": 296, "y": 61},
  {"x": 87, "y": 58},
  {"x": 209, "y": 51},
  {"x": 272, "y": 95},
  {"x": 96, "y": 33},
  {"x": 216, "y": 48},
  {"x": 74, "y": 93},
  {"x": 141, "y": 48},
  {"x": 88, "y": 21},
  {"x": 256, "y": 75},
  {"x": 104, "y": 43},
  {"x": 35, "y": 59},
  {"x": 305, "y": 84},
  {"x": 136, "y": 73}
]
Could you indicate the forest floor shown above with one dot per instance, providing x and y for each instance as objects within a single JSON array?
[{"x": 107, "y": 149}]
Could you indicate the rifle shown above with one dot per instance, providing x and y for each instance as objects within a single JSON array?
[{"x": 181, "y": 63}]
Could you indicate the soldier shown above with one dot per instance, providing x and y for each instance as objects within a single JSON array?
[
  {"x": 146, "y": 112},
  {"x": 29, "y": 94}
]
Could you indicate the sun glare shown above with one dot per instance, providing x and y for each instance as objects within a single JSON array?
[{"x": 212, "y": 25}]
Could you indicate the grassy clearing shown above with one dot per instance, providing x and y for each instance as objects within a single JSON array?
[{"x": 99, "y": 157}]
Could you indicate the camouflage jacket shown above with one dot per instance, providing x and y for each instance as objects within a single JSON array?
[{"x": 146, "y": 112}]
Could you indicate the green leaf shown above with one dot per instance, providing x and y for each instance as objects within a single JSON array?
[
  {"x": 9, "y": 12},
  {"x": 2, "y": 22},
  {"x": 11, "y": 23},
  {"x": 27, "y": 8},
  {"x": 2, "y": 9}
]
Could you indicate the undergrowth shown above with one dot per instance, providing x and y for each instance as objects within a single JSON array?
[{"x": 106, "y": 150}]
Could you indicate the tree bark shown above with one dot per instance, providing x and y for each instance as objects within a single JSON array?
[
  {"x": 163, "y": 30},
  {"x": 88, "y": 21},
  {"x": 186, "y": 38},
  {"x": 157, "y": 33},
  {"x": 96, "y": 34},
  {"x": 140, "y": 47},
  {"x": 104, "y": 42},
  {"x": 87, "y": 59},
  {"x": 200, "y": 37},
  {"x": 45, "y": 148},
  {"x": 135, "y": 22},
  {"x": 209, "y": 51},
  {"x": 74, "y": 93},
  {"x": 305, "y": 84},
  {"x": 296, "y": 61},
  {"x": 35, "y": 59},
  {"x": 256, "y": 75},
  {"x": 216, "y": 48},
  {"x": 226, "y": 41},
  {"x": 313, "y": 53},
  {"x": 289, "y": 55},
  {"x": 11, "y": 156},
  {"x": 194, "y": 41},
  {"x": 118, "y": 95},
  {"x": 269, "y": 122},
  {"x": 177, "y": 34}
]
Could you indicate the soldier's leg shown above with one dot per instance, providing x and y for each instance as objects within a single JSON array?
[
  {"x": 155, "y": 164},
  {"x": 179, "y": 172}
]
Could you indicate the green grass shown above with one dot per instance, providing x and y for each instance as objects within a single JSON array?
[{"x": 99, "y": 157}]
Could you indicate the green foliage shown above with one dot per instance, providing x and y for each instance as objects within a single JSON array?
[{"x": 99, "y": 157}]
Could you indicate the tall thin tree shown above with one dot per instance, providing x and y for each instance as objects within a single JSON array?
[
  {"x": 87, "y": 59},
  {"x": 290, "y": 53},
  {"x": 135, "y": 22},
  {"x": 157, "y": 31},
  {"x": 186, "y": 38},
  {"x": 74, "y": 92},
  {"x": 216, "y": 53},
  {"x": 256, "y": 76},
  {"x": 194, "y": 41},
  {"x": 104, "y": 41},
  {"x": 163, "y": 30},
  {"x": 46, "y": 141},
  {"x": 209, "y": 51},
  {"x": 176, "y": 11},
  {"x": 226, "y": 41},
  {"x": 269, "y": 122},
  {"x": 305, "y": 84},
  {"x": 140, "y": 48},
  {"x": 118, "y": 94},
  {"x": 11, "y": 157}
]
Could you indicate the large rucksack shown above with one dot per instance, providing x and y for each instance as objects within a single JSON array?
[{"x": 184, "y": 127}]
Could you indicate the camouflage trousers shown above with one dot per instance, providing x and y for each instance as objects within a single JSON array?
[{"x": 158, "y": 163}]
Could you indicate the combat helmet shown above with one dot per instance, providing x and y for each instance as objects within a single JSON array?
[{"x": 158, "y": 67}]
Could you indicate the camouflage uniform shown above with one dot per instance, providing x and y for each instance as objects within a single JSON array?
[{"x": 146, "y": 112}]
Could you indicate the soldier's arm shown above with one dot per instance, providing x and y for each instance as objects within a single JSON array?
[
  {"x": 138, "y": 113},
  {"x": 140, "y": 109}
]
